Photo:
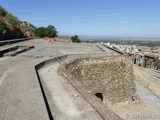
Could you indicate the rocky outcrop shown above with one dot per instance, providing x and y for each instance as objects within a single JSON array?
[
  {"x": 27, "y": 28},
  {"x": 25, "y": 24},
  {"x": 8, "y": 31},
  {"x": 12, "y": 28}
]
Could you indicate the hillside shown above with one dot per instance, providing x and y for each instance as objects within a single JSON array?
[{"x": 12, "y": 28}]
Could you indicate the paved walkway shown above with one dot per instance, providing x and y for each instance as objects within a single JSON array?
[
  {"x": 153, "y": 73},
  {"x": 145, "y": 75},
  {"x": 146, "y": 80},
  {"x": 63, "y": 98},
  {"x": 20, "y": 93},
  {"x": 107, "y": 50},
  {"x": 147, "y": 96}
]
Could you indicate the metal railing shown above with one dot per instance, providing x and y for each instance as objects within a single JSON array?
[{"x": 14, "y": 40}]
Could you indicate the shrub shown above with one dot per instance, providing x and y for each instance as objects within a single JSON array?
[
  {"x": 75, "y": 39},
  {"x": 3, "y": 12},
  {"x": 12, "y": 19}
]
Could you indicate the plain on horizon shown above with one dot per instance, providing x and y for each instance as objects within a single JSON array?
[{"x": 117, "y": 18}]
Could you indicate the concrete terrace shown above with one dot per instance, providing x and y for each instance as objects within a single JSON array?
[
  {"x": 30, "y": 93},
  {"x": 21, "y": 95}
]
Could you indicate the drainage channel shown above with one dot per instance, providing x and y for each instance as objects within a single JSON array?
[
  {"x": 78, "y": 106},
  {"x": 41, "y": 86},
  {"x": 45, "y": 98}
]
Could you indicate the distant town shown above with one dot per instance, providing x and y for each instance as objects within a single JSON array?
[{"x": 143, "y": 53}]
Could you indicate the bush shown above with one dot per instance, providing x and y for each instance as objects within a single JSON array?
[
  {"x": 75, "y": 39},
  {"x": 12, "y": 19}
]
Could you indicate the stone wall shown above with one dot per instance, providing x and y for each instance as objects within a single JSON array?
[{"x": 112, "y": 76}]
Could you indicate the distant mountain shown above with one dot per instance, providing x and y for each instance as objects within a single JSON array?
[
  {"x": 113, "y": 38},
  {"x": 119, "y": 38},
  {"x": 63, "y": 37}
]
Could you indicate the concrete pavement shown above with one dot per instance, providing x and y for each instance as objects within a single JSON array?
[
  {"x": 20, "y": 92},
  {"x": 65, "y": 101},
  {"x": 21, "y": 95},
  {"x": 147, "y": 96},
  {"x": 146, "y": 80}
]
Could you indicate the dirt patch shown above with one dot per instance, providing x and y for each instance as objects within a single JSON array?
[{"x": 136, "y": 111}]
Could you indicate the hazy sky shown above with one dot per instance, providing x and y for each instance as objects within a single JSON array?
[{"x": 120, "y": 18}]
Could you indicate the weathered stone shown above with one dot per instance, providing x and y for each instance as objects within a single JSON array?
[{"x": 112, "y": 76}]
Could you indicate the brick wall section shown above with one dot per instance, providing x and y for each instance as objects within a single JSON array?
[{"x": 112, "y": 76}]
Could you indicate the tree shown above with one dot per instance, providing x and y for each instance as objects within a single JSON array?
[
  {"x": 75, "y": 39},
  {"x": 49, "y": 31},
  {"x": 40, "y": 32}
]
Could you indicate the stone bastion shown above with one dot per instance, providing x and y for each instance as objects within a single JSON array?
[{"x": 110, "y": 78}]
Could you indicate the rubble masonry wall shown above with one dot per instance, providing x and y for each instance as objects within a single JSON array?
[{"x": 111, "y": 75}]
